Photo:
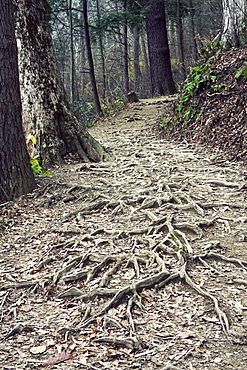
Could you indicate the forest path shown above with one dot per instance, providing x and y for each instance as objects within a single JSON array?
[{"x": 137, "y": 263}]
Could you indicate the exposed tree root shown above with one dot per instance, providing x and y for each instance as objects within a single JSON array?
[
  {"x": 103, "y": 268},
  {"x": 182, "y": 251},
  {"x": 153, "y": 246},
  {"x": 173, "y": 244},
  {"x": 131, "y": 342}
]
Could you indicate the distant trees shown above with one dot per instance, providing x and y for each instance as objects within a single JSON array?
[
  {"x": 16, "y": 177},
  {"x": 118, "y": 36}
]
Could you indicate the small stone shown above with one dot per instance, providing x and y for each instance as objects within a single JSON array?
[
  {"x": 217, "y": 360},
  {"x": 38, "y": 350}
]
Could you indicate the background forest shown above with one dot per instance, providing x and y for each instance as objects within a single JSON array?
[{"x": 119, "y": 46}]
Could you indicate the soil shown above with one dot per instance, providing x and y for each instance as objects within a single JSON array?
[
  {"x": 136, "y": 263},
  {"x": 216, "y": 112}
]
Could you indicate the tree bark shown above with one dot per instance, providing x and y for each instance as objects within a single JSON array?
[
  {"x": 46, "y": 110},
  {"x": 146, "y": 85},
  {"x": 159, "y": 54},
  {"x": 72, "y": 89},
  {"x": 16, "y": 177},
  {"x": 102, "y": 54},
  {"x": 126, "y": 87},
  {"x": 137, "y": 70},
  {"x": 180, "y": 41},
  {"x": 234, "y": 23},
  {"x": 191, "y": 19},
  {"x": 90, "y": 60}
]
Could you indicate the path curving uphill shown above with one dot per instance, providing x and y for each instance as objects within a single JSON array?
[{"x": 137, "y": 263}]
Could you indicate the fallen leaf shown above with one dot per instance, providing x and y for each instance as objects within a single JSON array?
[
  {"x": 26, "y": 308},
  {"x": 59, "y": 357},
  {"x": 129, "y": 275},
  {"x": 185, "y": 334},
  {"x": 50, "y": 343},
  {"x": 179, "y": 299},
  {"x": 83, "y": 360},
  {"x": 213, "y": 319}
]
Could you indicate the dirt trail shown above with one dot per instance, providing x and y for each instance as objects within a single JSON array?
[{"x": 138, "y": 263}]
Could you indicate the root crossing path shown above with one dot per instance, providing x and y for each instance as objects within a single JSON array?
[{"x": 137, "y": 263}]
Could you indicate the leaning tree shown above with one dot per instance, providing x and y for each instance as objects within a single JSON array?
[
  {"x": 47, "y": 114},
  {"x": 16, "y": 177}
]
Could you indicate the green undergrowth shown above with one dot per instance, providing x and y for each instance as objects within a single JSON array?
[
  {"x": 203, "y": 82},
  {"x": 86, "y": 112},
  {"x": 37, "y": 168},
  {"x": 212, "y": 108},
  {"x": 242, "y": 71},
  {"x": 201, "y": 77}
]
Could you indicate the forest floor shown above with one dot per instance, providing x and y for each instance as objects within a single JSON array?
[{"x": 137, "y": 263}]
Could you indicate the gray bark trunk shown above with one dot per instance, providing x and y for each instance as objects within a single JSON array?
[
  {"x": 102, "y": 54},
  {"x": 72, "y": 88},
  {"x": 126, "y": 87},
  {"x": 234, "y": 23},
  {"x": 146, "y": 85},
  {"x": 180, "y": 42},
  {"x": 137, "y": 70},
  {"x": 46, "y": 110},
  {"x": 191, "y": 20},
  {"x": 90, "y": 60}
]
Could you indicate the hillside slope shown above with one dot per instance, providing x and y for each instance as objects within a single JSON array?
[{"x": 213, "y": 107}]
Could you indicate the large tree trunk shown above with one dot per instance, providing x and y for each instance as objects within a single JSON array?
[
  {"x": 159, "y": 54},
  {"x": 16, "y": 177},
  {"x": 234, "y": 23},
  {"x": 46, "y": 111}
]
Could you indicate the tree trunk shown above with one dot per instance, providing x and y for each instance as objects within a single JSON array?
[
  {"x": 90, "y": 60},
  {"x": 191, "y": 19},
  {"x": 72, "y": 89},
  {"x": 234, "y": 23},
  {"x": 82, "y": 80},
  {"x": 180, "y": 42},
  {"x": 126, "y": 87},
  {"x": 146, "y": 85},
  {"x": 159, "y": 54},
  {"x": 137, "y": 71},
  {"x": 16, "y": 177},
  {"x": 46, "y": 111},
  {"x": 102, "y": 54}
]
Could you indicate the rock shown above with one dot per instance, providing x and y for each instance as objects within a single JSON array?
[{"x": 132, "y": 97}]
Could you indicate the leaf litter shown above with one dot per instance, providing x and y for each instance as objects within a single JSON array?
[{"x": 137, "y": 263}]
